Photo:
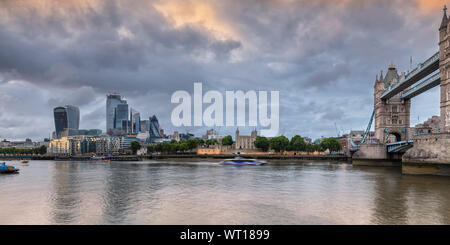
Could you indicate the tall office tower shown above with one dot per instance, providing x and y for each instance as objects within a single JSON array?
[
  {"x": 112, "y": 100},
  {"x": 176, "y": 136},
  {"x": 135, "y": 119},
  {"x": 67, "y": 118},
  {"x": 147, "y": 125},
  {"x": 154, "y": 128},
  {"x": 121, "y": 117},
  {"x": 73, "y": 114},
  {"x": 143, "y": 125}
]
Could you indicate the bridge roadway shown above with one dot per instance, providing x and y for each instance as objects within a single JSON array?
[
  {"x": 399, "y": 146},
  {"x": 421, "y": 71},
  {"x": 425, "y": 85}
]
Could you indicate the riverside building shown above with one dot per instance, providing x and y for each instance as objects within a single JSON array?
[
  {"x": 89, "y": 145},
  {"x": 245, "y": 142},
  {"x": 112, "y": 101},
  {"x": 67, "y": 118}
]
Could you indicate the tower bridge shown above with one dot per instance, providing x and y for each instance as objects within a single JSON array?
[{"x": 391, "y": 116}]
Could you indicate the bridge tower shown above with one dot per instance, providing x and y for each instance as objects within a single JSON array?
[
  {"x": 391, "y": 115},
  {"x": 444, "y": 67}
]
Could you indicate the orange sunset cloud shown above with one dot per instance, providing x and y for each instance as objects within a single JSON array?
[
  {"x": 431, "y": 5},
  {"x": 198, "y": 13}
]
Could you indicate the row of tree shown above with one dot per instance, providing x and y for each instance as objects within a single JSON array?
[
  {"x": 24, "y": 151},
  {"x": 297, "y": 143},
  {"x": 280, "y": 143}
]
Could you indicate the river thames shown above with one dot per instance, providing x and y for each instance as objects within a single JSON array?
[{"x": 310, "y": 192}]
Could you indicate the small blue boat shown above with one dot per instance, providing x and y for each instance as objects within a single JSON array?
[
  {"x": 5, "y": 169},
  {"x": 242, "y": 161}
]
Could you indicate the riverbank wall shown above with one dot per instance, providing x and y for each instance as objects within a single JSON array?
[
  {"x": 329, "y": 157},
  {"x": 430, "y": 155},
  {"x": 255, "y": 156}
]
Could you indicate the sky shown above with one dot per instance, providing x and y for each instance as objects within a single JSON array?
[{"x": 323, "y": 57}]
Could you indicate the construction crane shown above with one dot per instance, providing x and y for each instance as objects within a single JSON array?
[{"x": 337, "y": 131}]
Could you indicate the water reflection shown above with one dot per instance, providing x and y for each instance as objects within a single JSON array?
[
  {"x": 390, "y": 201},
  {"x": 208, "y": 193},
  {"x": 66, "y": 193},
  {"x": 429, "y": 202},
  {"x": 120, "y": 198}
]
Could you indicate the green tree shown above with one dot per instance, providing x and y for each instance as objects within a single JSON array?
[
  {"x": 158, "y": 147},
  {"x": 313, "y": 147},
  {"x": 211, "y": 142},
  {"x": 150, "y": 149},
  {"x": 173, "y": 147},
  {"x": 262, "y": 143},
  {"x": 135, "y": 146},
  {"x": 20, "y": 151},
  {"x": 42, "y": 150},
  {"x": 183, "y": 146},
  {"x": 201, "y": 141},
  {"x": 297, "y": 143},
  {"x": 317, "y": 147},
  {"x": 227, "y": 140},
  {"x": 279, "y": 143},
  {"x": 192, "y": 143},
  {"x": 166, "y": 147},
  {"x": 331, "y": 143}
]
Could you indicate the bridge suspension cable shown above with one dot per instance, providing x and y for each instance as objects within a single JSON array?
[{"x": 367, "y": 132}]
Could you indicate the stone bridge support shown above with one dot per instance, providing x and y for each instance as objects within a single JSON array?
[
  {"x": 431, "y": 153},
  {"x": 374, "y": 155}
]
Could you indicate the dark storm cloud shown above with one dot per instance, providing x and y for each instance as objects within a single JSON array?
[
  {"x": 97, "y": 55},
  {"x": 321, "y": 55},
  {"x": 222, "y": 49},
  {"x": 322, "y": 78},
  {"x": 80, "y": 97}
]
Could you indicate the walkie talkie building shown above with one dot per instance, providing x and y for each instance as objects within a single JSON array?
[{"x": 66, "y": 118}]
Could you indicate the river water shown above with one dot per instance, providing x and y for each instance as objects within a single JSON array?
[{"x": 181, "y": 192}]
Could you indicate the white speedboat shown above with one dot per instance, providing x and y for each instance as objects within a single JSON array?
[
  {"x": 242, "y": 161},
  {"x": 98, "y": 158}
]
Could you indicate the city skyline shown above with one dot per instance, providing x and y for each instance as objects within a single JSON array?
[{"x": 326, "y": 71}]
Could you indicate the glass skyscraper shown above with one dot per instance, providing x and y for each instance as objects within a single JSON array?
[
  {"x": 112, "y": 101},
  {"x": 61, "y": 122},
  {"x": 135, "y": 119},
  {"x": 121, "y": 117},
  {"x": 145, "y": 125},
  {"x": 67, "y": 118},
  {"x": 154, "y": 128}
]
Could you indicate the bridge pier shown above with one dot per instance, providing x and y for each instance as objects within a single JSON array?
[
  {"x": 375, "y": 155},
  {"x": 429, "y": 155}
]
